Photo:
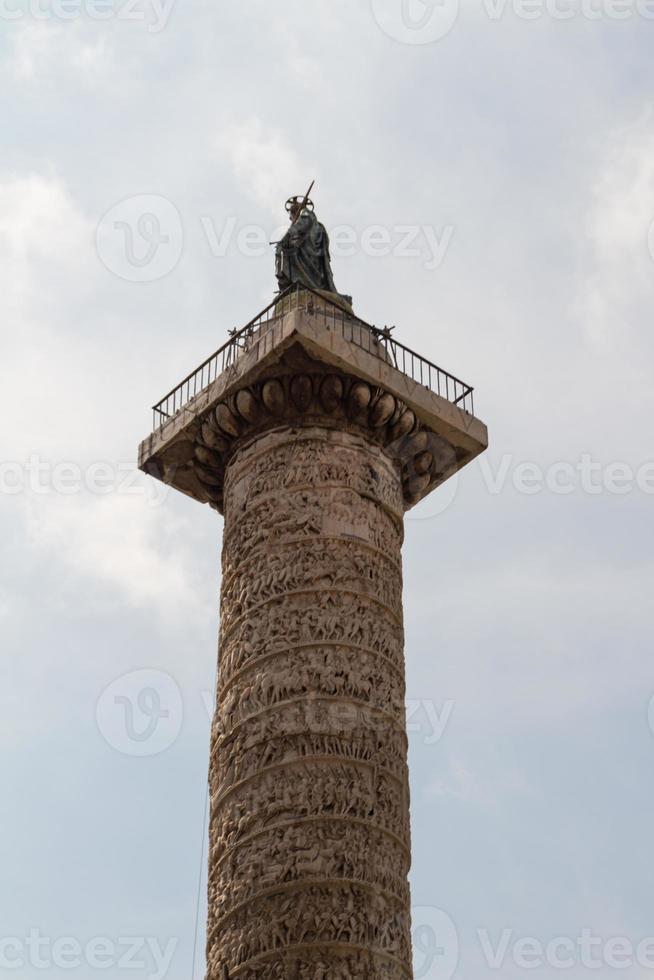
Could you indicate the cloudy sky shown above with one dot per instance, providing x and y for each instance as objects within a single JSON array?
[{"x": 487, "y": 172}]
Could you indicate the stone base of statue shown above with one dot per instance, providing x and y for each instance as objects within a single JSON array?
[{"x": 300, "y": 298}]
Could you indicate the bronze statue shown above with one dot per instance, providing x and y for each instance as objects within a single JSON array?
[{"x": 302, "y": 256}]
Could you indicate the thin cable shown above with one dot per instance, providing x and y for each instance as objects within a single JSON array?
[
  {"x": 201, "y": 872},
  {"x": 205, "y": 825}
]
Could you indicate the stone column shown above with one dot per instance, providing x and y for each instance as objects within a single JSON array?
[
  {"x": 309, "y": 832},
  {"x": 315, "y": 438}
]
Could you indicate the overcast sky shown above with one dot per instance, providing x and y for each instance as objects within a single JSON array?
[{"x": 488, "y": 177}]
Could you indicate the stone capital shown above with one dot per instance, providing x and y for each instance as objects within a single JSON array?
[{"x": 303, "y": 369}]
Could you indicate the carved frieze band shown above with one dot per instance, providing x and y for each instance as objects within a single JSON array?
[
  {"x": 309, "y": 829},
  {"x": 238, "y": 755},
  {"x": 325, "y": 672},
  {"x": 347, "y": 619},
  {"x": 336, "y": 964},
  {"x": 333, "y": 920}
]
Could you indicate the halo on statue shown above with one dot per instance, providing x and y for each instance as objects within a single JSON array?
[{"x": 298, "y": 200}]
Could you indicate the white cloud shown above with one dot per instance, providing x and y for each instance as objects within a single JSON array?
[
  {"x": 529, "y": 654},
  {"x": 44, "y": 239},
  {"x": 461, "y": 784},
  {"x": 618, "y": 286},
  {"x": 116, "y": 551},
  {"x": 263, "y": 161},
  {"x": 42, "y": 50},
  {"x": 47, "y": 242}
]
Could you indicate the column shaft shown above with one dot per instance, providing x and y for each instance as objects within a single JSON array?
[{"x": 309, "y": 833}]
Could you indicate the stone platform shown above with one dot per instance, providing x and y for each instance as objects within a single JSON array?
[{"x": 300, "y": 370}]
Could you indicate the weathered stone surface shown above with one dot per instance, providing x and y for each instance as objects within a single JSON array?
[
  {"x": 247, "y": 405},
  {"x": 383, "y": 410},
  {"x": 309, "y": 847},
  {"x": 227, "y": 421},
  {"x": 301, "y": 389},
  {"x": 274, "y": 397},
  {"x": 210, "y": 437},
  {"x": 331, "y": 392}
]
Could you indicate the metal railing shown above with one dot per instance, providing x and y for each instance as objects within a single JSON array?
[{"x": 265, "y": 329}]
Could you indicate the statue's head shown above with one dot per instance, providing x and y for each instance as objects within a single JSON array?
[{"x": 294, "y": 207}]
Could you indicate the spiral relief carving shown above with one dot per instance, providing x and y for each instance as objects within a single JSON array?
[{"x": 309, "y": 830}]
